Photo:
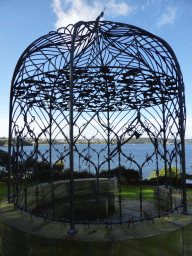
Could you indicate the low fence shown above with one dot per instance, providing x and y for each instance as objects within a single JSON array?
[{"x": 96, "y": 201}]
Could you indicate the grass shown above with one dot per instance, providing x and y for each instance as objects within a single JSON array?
[
  {"x": 189, "y": 191},
  {"x": 132, "y": 192},
  {"x": 3, "y": 189}
]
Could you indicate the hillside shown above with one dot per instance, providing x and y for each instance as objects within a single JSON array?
[{"x": 29, "y": 142}]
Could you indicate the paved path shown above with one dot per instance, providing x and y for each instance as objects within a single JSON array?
[{"x": 131, "y": 208}]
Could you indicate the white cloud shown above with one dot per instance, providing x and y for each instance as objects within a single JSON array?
[
  {"x": 168, "y": 17},
  {"x": 144, "y": 6},
  {"x": 72, "y": 11},
  {"x": 147, "y": 3},
  {"x": 118, "y": 9}
]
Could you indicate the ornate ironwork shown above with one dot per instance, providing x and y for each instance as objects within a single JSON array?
[{"x": 103, "y": 80}]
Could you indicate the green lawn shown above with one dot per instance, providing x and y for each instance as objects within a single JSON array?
[
  {"x": 3, "y": 189},
  {"x": 189, "y": 191},
  {"x": 132, "y": 192}
]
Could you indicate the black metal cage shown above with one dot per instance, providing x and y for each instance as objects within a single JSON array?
[{"x": 97, "y": 81}]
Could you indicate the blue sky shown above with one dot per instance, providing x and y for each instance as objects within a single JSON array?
[{"x": 22, "y": 22}]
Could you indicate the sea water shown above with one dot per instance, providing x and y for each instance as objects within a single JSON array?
[{"x": 136, "y": 152}]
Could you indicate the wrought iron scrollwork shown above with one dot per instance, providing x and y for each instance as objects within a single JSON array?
[{"x": 116, "y": 82}]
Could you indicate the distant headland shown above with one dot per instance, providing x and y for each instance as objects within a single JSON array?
[{"x": 30, "y": 142}]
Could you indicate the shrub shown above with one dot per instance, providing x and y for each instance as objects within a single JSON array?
[
  {"x": 188, "y": 176},
  {"x": 41, "y": 170},
  {"x": 58, "y": 166},
  {"x": 83, "y": 174},
  {"x": 129, "y": 176},
  {"x": 77, "y": 175},
  {"x": 175, "y": 176},
  {"x": 43, "y": 166},
  {"x": 3, "y": 176},
  {"x": 46, "y": 175},
  {"x": 4, "y": 159}
]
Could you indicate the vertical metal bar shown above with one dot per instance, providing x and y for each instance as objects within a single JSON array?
[
  {"x": 170, "y": 183},
  {"x": 17, "y": 168},
  {"x": 183, "y": 173},
  {"x": 182, "y": 123},
  {"x": 50, "y": 139},
  {"x": 89, "y": 154},
  {"x": 97, "y": 191},
  {"x": 50, "y": 159},
  {"x": 176, "y": 159},
  {"x": 25, "y": 186},
  {"x": 9, "y": 155},
  {"x": 64, "y": 159},
  {"x": 164, "y": 141},
  {"x": 108, "y": 133},
  {"x": 140, "y": 194},
  {"x": 119, "y": 181},
  {"x": 157, "y": 172},
  {"x": 37, "y": 171},
  {"x": 72, "y": 229},
  {"x": 9, "y": 145}
]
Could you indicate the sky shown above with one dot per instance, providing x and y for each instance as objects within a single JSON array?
[{"x": 24, "y": 21}]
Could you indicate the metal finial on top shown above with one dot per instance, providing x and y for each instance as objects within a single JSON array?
[{"x": 100, "y": 16}]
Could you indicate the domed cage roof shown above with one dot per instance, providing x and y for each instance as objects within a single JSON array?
[
  {"x": 117, "y": 82},
  {"x": 117, "y": 67}
]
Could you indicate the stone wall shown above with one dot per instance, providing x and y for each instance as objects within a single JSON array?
[
  {"x": 165, "y": 199},
  {"x": 22, "y": 235},
  {"x": 85, "y": 192}
]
